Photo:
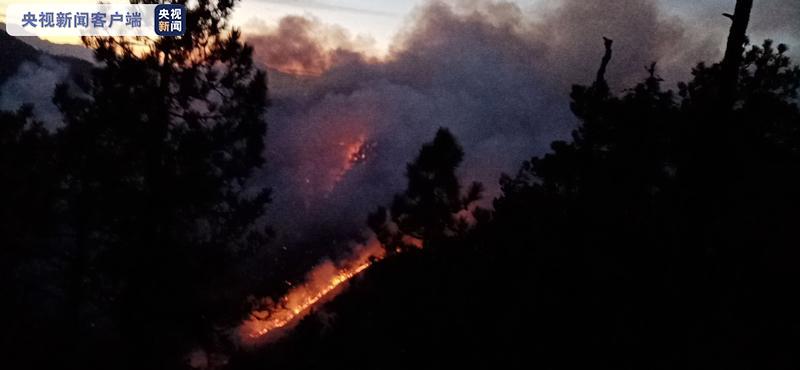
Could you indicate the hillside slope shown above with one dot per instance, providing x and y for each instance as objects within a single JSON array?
[
  {"x": 29, "y": 74},
  {"x": 435, "y": 309},
  {"x": 13, "y": 52}
]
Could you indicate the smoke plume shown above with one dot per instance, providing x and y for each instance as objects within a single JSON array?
[
  {"x": 34, "y": 84},
  {"x": 497, "y": 75}
]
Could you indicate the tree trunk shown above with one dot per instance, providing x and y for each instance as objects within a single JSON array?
[{"x": 735, "y": 48}]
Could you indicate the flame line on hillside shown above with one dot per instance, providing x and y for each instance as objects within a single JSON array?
[
  {"x": 289, "y": 309},
  {"x": 281, "y": 322}
]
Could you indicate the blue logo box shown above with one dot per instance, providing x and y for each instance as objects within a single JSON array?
[{"x": 170, "y": 20}]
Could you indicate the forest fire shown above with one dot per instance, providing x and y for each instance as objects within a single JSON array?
[
  {"x": 355, "y": 152},
  {"x": 322, "y": 283}
]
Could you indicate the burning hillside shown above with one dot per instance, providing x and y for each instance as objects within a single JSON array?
[
  {"x": 355, "y": 153},
  {"x": 268, "y": 320},
  {"x": 335, "y": 103}
]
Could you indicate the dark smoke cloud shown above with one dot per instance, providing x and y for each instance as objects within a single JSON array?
[
  {"x": 770, "y": 19},
  {"x": 34, "y": 84},
  {"x": 767, "y": 15},
  {"x": 498, "y": 76},
  {"x": 312, "y": 4},
  {"x": 304, "y": 46},
  {"x": 777, "y": 16},
  {"x": 642, "y": 34},
  {"x": 293, "y": 48}
]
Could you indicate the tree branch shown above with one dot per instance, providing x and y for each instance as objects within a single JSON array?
[{"x": 601, "y": 73}]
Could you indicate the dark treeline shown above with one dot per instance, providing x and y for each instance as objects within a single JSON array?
[
  {"x": 123, "y": 233},
  {"x": 662, "y": 235}
]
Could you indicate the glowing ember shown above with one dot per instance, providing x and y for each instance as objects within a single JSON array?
[
  {"x": 321, "y": 283},
  {"x": 361, "y": 153},
  {"x": 355, "y": 153}
]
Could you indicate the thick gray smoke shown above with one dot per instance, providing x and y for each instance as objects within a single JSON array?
[
  {"x": 775, "y": 19},
  {"x": 497, "y": 75},
  {"x": 34, "y": 84},
  {"x": 343, "y": 124}
]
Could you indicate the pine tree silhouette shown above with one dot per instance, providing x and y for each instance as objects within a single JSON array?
[
  {"x": 667, "y": 215},
  {"x": 427, "y": 210},
  {"x": 148, "y": 181},
  {"x": 29, "y": 258}
]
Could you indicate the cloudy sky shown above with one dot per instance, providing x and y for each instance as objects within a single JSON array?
[
  {"x": 387, "y": 74},
  {"x": 380, "y": 20},
  {"x": 497, "y": 73}
]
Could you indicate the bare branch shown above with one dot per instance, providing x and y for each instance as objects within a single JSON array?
[{"x": 601, "y": 73}]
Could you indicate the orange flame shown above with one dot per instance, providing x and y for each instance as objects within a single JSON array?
[
  {"x": 351, "y": 155},
  {"x": 354, "y": 153},
  {"x": 322, "y": 283}
]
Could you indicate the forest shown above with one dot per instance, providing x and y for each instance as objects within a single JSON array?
[{"x": 659, "y": 235}]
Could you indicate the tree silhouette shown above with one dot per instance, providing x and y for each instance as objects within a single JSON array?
[
  {"x": 667, "y": 214},
  {"x": 29, "y": 183},
  {"x": 426, "y": 211},
  {"x": 157, "y": 156},
  {"x": 30, "y": 261},
  {"x": 660, "y": 236},
  {"x": 737, "y": 38}
]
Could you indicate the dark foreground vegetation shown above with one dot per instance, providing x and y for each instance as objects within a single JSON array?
[
  {"x": 663, "y": 235},
  {"x": 660, "y": 237}
]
